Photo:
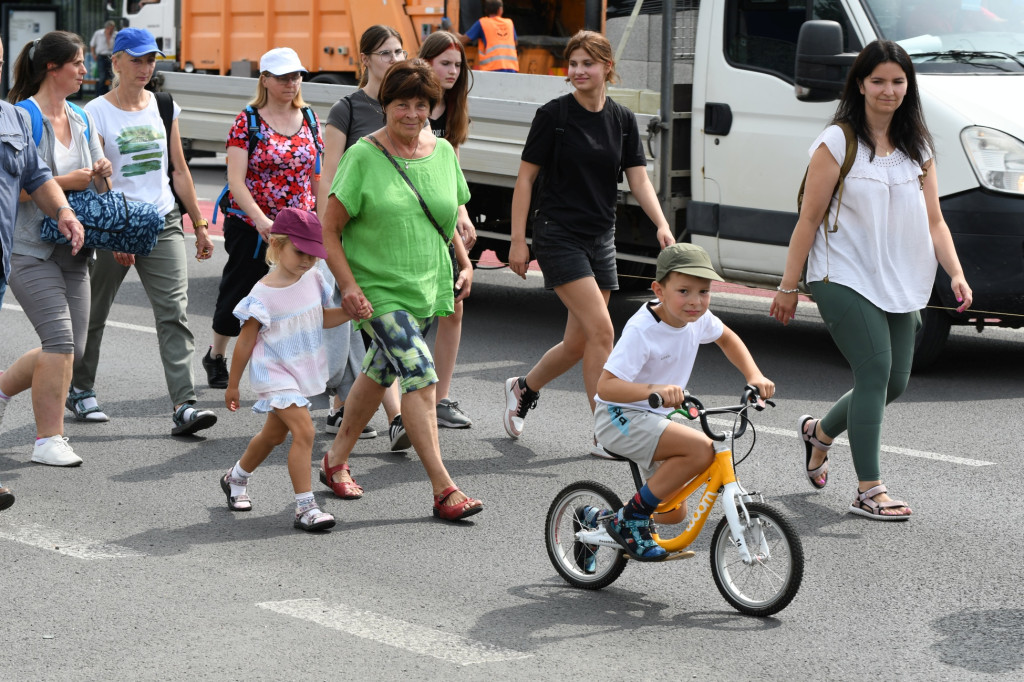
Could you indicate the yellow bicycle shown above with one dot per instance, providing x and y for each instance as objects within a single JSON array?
[{"x": 757, "y": 559}]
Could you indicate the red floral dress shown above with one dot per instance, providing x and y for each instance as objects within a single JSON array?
[{"x": 281, "y": 168}]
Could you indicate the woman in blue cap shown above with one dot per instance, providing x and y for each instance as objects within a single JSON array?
[{"x": 128, "y": 122}]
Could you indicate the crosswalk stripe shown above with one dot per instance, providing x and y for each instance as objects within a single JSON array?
[
  {"x": 41, "y": 537},
  {"x": 393, "y": 632}
]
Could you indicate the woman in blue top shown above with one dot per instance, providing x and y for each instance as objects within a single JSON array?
[{"x": 50, "y": 280}]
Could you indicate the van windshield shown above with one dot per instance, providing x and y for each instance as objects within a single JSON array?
[{"x": 955, "y": 36}]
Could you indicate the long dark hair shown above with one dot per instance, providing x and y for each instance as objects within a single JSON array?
[
  {"x": 907, "y": 131},
  {"x": 457, "y": 126},
  {"x": 31, "y": 66},
  {"x": 372, "y": 38}
]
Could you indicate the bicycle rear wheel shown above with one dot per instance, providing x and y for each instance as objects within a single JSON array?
[
  {"x": 585, "y": 566},
  {"x": 767, "y": 585}
]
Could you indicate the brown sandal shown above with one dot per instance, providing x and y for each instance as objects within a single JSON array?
[
  {"x": 864, "y": 505},
  {"x": 346, "y": 490}
]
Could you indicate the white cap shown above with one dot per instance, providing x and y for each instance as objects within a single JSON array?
[{"x": 281, "y": 60}]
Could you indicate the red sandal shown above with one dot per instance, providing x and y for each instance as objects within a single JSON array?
[
  {"x": 346, "y": 490},
  {"x": 455, "y": 512}
]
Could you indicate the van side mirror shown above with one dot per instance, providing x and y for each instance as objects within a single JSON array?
[{"x": 821, "y": 64}]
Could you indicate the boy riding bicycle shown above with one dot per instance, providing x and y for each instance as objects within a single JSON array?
[{"x": 655, "y": 354}]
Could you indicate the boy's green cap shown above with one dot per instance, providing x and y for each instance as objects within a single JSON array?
[{"x": 688, "y": 259}]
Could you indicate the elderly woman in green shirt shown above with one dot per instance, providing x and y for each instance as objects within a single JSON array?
[{"x": 387, "y": 245}]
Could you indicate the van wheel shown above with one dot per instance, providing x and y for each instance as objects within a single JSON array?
[
  {"x": 335, "y": 79},
  {"x": 931, "y": 338}
]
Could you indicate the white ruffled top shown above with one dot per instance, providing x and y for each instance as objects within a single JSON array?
[{"x": 883, "y": 248}]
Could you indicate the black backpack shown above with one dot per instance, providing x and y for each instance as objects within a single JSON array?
[{"x": 547, "y": 173}]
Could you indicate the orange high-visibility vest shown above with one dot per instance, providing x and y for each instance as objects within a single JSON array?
[{"x": 499, "y": 51}]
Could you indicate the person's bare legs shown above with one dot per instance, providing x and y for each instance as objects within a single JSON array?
[
  {"x": 219, "y": 345},
  {"x": 446, "y": 350},
  {"x": 419, "y": 416},
  {"x": 360, "y": 405},
  {"x": 391, "y": 402},
  {"x": 589, "y": 335},
  {"x": 272, "y": 434},
  {"x": 49, "y": 376}
]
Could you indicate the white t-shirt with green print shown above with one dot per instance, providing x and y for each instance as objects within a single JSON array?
[{"x": 136, "y": 145}]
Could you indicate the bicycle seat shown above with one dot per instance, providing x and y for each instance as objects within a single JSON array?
[{"x": 604, "y": 453}]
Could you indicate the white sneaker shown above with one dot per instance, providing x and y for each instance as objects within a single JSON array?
[{"x": 56, "y": 452}]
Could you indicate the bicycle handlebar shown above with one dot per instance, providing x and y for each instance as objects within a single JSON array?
[{"x": 692, "y": 408}]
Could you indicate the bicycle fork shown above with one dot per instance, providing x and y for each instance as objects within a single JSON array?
[{"x": 734, "y": 504}]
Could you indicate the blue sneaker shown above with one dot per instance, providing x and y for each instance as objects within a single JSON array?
[
  {"x": 635, "y": 537},
  {"x": 586, "y": 555}
]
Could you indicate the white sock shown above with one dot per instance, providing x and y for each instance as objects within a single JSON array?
[
  {"x": 304, "y": 502},
  {"x": 239, "y": 472},
  {"x": 40, "y": 441}
]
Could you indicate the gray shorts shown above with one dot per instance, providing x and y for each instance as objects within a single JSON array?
[
  {"x": 630, "y": 433},
  {"x": 55, "y": 295}
]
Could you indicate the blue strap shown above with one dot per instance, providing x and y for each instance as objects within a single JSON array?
[{"x": 36, "y": 116}]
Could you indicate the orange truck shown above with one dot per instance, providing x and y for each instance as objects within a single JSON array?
[{"x": 224, "y": 37}]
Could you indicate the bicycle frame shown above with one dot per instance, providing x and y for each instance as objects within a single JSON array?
[{"x": 720, "y": 480}]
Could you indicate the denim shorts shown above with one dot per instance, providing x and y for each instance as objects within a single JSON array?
[
  {"x": 398, "y": 351},
  {"x": 566, "y": 257}
]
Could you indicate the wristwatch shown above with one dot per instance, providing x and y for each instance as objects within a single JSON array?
[
  {"x": 202, "y": 222},
  {"x": 65, "y": 207}
]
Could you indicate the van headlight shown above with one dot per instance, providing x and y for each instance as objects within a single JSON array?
[{"x": 997, "y": 158}]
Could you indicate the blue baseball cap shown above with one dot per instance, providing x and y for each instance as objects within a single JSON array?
[{"x": 136, "y": 41}]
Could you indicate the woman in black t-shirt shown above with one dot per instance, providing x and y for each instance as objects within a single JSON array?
[
  {"x": 450, "y": 119},
  {"x": 574, "y": 224}
]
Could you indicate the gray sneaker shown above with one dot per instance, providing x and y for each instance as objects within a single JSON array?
[{"x": 449, "y": 415}]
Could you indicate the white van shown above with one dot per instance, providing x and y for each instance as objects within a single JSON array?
[{"x": 752, "y": 128}]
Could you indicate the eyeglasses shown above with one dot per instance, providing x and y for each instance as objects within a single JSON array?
[
  {"x": 287, "y": 78},
  {"x": 397, "y": 55}
]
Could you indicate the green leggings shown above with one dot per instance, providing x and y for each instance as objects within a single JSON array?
[{"x": 879, "y": 347}]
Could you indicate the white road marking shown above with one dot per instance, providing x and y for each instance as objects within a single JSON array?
[
  {"x": 41, "y": 537},
  {"x": 885, "y": 448},
  {"x": 417, "y": 639},
  {"x": 466, "y": 367}
]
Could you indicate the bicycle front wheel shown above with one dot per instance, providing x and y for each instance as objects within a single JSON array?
[
  {"x": 589, "y": 567},
  {"x": 767, "y": 584}
]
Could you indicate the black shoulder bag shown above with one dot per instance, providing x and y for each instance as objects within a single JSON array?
[{"x": 423, "y": 205}]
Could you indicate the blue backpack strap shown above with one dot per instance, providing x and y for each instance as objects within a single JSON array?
[
  {"x": 314, "y": 130},
  {"x": 81, "y": 112},
  {"x": 252, "y": 124},
  {"x": 36, "y": 116}
]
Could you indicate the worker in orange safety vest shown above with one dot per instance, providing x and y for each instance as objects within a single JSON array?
[{"x": 497, "y": 40}]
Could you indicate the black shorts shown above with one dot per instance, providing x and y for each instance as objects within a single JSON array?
[
  {"x": 565, "y": 257},
  {"x": 245, "y": 267}
]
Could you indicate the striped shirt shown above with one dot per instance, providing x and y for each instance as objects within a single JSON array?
[{"x": 288, "y": 360}]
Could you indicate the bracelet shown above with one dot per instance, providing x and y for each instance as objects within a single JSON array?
[
  {"x": 786, "y": 291},
  {"x": 65, "y": 206}
]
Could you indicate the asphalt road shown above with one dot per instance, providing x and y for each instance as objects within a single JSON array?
[{"x": 131, "y": 567}]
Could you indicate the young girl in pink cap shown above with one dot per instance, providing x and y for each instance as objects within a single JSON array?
[{"x": 283, "y": 318}]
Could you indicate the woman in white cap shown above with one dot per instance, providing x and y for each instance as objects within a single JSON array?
[
  {"x": 128, "y": 123},
  {"x": 272, "y": 151}
]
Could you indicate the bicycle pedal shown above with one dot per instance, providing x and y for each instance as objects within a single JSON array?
[{"x": 685, "y": 554}]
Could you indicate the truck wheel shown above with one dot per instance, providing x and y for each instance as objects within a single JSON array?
[
  {"x": 334, "y": 79},
  {"x": 931, "y": 337}
]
